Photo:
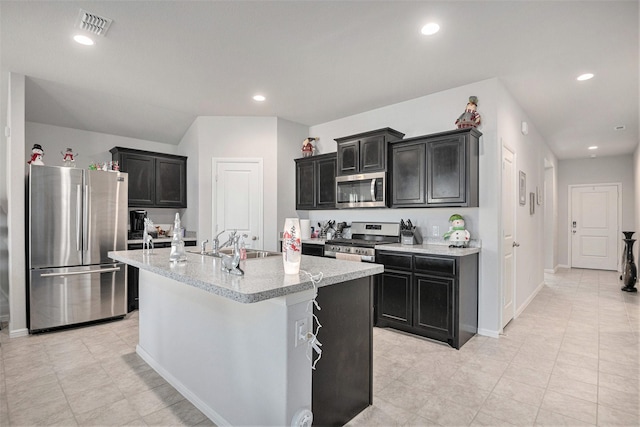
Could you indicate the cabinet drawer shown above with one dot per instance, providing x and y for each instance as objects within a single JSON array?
[
  {"x": 435, "y": 265},
  {"x": 395, "y": 260}
]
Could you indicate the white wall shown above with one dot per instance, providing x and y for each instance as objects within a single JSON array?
[
  {"x": 290, "y": 137},
  {"x": 530, "y": 153},
  {"x": 234, "y": 137},
  {"x": 94, "y": 147},
  {"x": 601, "y": 170},
  {"x": 16, "y": 174},
  {"x": 636, "y": 176}
]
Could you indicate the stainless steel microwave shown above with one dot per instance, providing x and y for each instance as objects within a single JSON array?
[{"x": 367, "y": 190}]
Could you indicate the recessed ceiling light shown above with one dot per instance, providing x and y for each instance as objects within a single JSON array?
[
  {"x": 585, "y": 76},
  {"x": 259, "y": 98},
  {"x": 593, "y": 147},
  {"x": 82, "y": 39},
  {"x": 430, "y": 29}
]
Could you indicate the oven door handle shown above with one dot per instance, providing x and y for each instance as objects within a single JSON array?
[{"x": 373, "y": 189}]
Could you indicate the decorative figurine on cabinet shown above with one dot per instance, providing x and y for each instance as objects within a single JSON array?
[
  {"x": 457, "y": 235},
  {"x": 307, "y": 147},
  {"x": 470, "y": 118},
  {"x": 69, "y": 158},
  {"x": 36, "y": 155}
]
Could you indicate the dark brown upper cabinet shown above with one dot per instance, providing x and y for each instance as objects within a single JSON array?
[
  {"x": 156, "y": 180},
  {"x": 365, "y": 152},
  {"x": 316, "y": 182},
  {"x": 436, "y": 170}
]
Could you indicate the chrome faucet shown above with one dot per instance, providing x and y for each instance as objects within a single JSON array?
[
  {"x": 203, "y": 246},
  {"x": 216, "y": 244}
]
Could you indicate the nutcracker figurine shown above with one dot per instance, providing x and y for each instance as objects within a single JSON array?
[
  {"x": 307, "y": 147},
  {"x": 470, "y": 118}
]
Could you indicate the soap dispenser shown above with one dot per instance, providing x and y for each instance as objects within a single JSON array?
[{"x": 178, "y": 253}]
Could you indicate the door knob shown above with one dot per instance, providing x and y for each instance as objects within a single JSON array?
[
  {"x": 574, "y": 231},
  {"x": 515, "y": 244},
  {"x": 254, "y": 237}
]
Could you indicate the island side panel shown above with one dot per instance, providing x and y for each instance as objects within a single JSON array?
[
  {"x": 236, "y": 362},
  {"x": 343, "y": 379}
]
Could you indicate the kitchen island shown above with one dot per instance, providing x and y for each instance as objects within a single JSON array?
[{"x": 235, "y": 345}]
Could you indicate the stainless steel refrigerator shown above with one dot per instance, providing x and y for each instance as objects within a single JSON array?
[{"x": 75, "y": 217}]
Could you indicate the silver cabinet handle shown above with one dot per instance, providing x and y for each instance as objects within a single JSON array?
[
  {"x": 77, "y": 273},
  {"x": 515, "y": 244}
]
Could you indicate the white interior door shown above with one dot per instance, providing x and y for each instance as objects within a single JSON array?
[
  {"x": 508, "y": 238},
  {"x": 238, "y": 200},
  {"x": 593, "y": 227}
]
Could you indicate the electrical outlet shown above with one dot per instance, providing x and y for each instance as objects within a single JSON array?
[
  {"x": 301, "y": 331},
  {"x": 435, "y": 231}
]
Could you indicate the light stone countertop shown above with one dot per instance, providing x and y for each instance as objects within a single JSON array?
[
  {"x": 263, "y": 278},
  {"x": 429, "y": 249}
]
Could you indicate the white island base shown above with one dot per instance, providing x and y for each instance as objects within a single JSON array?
[{"x": 237, "y": 363}]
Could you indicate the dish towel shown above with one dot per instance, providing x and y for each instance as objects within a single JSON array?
[{"x": 348, "y": 257}]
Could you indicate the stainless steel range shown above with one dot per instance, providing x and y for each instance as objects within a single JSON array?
[{"x": 364, "y": 237}]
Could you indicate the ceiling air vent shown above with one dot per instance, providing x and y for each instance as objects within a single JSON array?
[{"x": 93, "y": 23}]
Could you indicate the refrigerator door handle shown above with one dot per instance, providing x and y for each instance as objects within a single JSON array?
[
  {"x": 76, "y": 273},
  {"x": 85, "y": 221},
  {"x": 78, "y": 217}
]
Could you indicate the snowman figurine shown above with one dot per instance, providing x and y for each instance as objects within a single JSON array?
[
  {"x": 68, "y": 158},
  {"x": 36, "y": 155},
  {"x": 457, "y": 235}
]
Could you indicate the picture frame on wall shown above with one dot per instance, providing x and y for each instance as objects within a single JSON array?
[
  {"x": 522, "y": 193},
  {"x": 532, "y": 203}
]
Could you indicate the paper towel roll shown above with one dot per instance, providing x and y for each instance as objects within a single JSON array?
[{"x": 305, "y": 228}]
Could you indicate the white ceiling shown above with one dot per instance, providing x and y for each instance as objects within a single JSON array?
[{"x": 164, "y": 63}]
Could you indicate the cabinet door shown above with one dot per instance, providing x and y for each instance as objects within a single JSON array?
[
  {"x": 305, "y": 185},
  {"x": 372, "y": 154},
  {"x": 434, "y": 306},
  {"x": 394, "y": 298},
  {"x": 446, "y": 171},
  {"x": 326, "y": 183},
  {"x": 141, "y": 170},
  {"x": 348, "y": 157},
  {"x": 171, "y": 186},
  {"x": 408, "y": 164}
]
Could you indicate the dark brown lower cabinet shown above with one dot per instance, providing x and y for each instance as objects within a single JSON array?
[
  {"x": 342, "y": 384},
  {"x": 428, "y": 295}
]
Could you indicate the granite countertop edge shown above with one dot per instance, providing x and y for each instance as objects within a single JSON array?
[
  {"x": 429, "y": 249},
  {"x": 204, "y": 273}
]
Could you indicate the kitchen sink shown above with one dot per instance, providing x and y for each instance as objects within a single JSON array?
[{"x": 251, "y": 253}]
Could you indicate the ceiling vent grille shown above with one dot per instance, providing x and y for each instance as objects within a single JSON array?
[{"x": 93, "y": 23}]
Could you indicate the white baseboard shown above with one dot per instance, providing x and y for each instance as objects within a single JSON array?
[
  {"x": 528, "y": 301},
  {"x": 488, "y": 333},
  {"x": 203, "y": 407},
  {"x": 562, "y": 266},
  {"x": 553, "y": 270},
  {"x": 18, "y": 333}
]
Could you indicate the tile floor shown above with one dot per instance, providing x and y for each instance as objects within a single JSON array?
[{"x": 570, "y": 359}]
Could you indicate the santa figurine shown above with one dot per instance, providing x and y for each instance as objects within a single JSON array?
[
  {"x": 470, "y": 118},
  {"x": 36, "y": 155},
  {"x": 68, "y": 158},
  {"x": 307, "y": 147},
  {"x": 457, "y": 235}
]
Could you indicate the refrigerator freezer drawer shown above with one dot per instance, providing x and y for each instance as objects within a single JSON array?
[{"x": 68, "y": 296}]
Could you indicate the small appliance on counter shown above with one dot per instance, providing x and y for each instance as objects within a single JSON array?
[
  {"x": 409, "y": 233},
  {"x": 136, "y": 221}
]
